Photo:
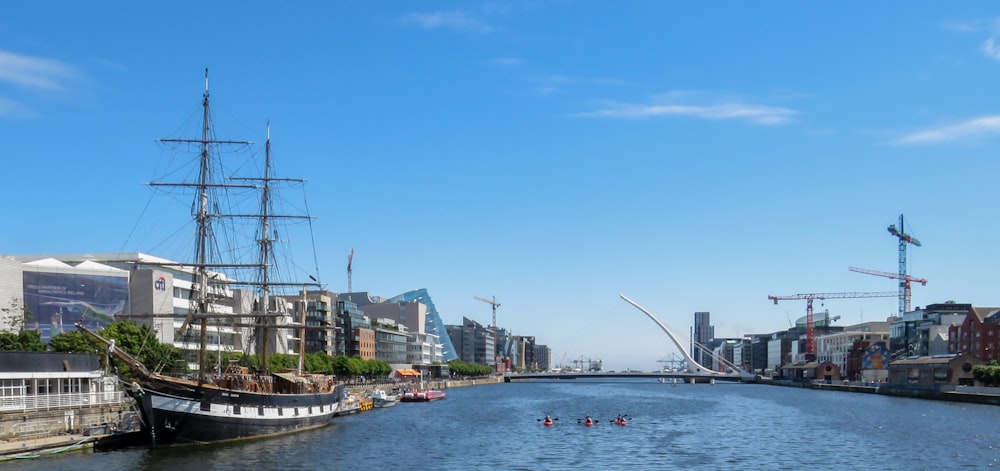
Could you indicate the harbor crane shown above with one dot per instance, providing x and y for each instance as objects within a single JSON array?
[
  {"x": 905, "y": 295},
  {"x": 350, "y": 259},
  {"x": 809, "y": 297},
  {"x": 495, "y": 305},
  {"x": 904, "y": 239}
]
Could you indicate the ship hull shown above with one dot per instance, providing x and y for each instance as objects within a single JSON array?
[{"x": 205, "y": 415}]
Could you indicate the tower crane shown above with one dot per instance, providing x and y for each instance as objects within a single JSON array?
[
  {"x": 350, "y": 259},
  {"x": 904, "y": 238},
  {"x": 495, "y": 305},
  {"x": 904, "y": 297},
  {"x": 809, "y": 297}
]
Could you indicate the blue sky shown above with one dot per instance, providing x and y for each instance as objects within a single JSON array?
[{"x": 694, "y": 156}]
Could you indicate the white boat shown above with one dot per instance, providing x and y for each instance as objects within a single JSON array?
[{"x": 384, "y": 399}]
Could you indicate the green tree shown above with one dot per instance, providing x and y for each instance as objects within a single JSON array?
[
  {"x": 988, "y": 374},
  {"x": 141, "y": 343},
  {"x": 23, "y": 341},
  {"x": 74, "y": 342}
]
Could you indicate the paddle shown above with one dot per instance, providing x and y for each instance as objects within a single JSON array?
[{"x": 550, "y": 418}]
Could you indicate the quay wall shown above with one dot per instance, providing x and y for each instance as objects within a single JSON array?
[
  {"x": 943, "y": 392},
  {"x": 22, "y": 425}
]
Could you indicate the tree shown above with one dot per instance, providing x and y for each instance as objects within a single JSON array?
[
  {"x": 141, "y": 343},
  {"x": 23, "y": 341},
  {"x": 74, "y": 342},
  {"x": 987, "y": 374},
  {"x": 14, "y": 315}
]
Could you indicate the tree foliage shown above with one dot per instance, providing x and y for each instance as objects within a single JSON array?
[
  {"x": 462, "y": 368},
  {"x": 74, "y": 342},
  {"x": 23, "y": 341},
  {"x": 988, "y": 374},
  {"x": 141, "y": 343}
]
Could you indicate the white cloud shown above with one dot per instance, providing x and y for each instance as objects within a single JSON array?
[
  {"x": 33, "y": 72},
  {"x": 972, "y": 128},
  {"x": 13, "y": 109},
  {"x": 757, "y": 114},
  {"x": 454, "y": 20},
  {"x": 990, "y": 49},
  {"x": 961, "y": 26}
]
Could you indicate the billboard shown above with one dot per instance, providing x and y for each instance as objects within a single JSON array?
[{"x": 55, "y": 302}]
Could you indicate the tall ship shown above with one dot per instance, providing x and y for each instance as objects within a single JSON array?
[{"x": 231, "y": 402}]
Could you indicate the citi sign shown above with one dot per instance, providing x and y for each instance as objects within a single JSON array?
[{"x": 160, "y": 284}]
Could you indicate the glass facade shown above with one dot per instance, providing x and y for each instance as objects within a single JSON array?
[{"x": 433, "y": 324}]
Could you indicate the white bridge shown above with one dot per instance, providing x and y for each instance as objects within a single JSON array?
[
  {"x": 695, "y": 371},
  {"x": 732, "y": 370}
]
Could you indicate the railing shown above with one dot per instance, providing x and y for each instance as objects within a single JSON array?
[{"x": 59, "y": 401}]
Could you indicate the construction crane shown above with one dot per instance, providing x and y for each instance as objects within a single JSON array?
[
  {"x": 809, "y": 297},
  {"x": 350, "y": 259},
  {"x": 904, "y": 238},
  {"x": 495, "y": 305},
  {"x": 904, "y": 297}
]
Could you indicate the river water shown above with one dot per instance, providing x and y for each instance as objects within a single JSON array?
[{"x": 684, "y": 426}]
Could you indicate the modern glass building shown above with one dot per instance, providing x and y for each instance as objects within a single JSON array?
[{"x": 433, "y": 324}]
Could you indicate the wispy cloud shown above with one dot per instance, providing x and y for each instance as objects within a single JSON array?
[
  {"x": 962, "y": 26},
  {"x": 34, "y": 72},
  {"x": 666, "y": 105},
  {"x": 13, "y": 109},
  {"x": 461, "y": 21},
  {"x": 985, "y": 125}
]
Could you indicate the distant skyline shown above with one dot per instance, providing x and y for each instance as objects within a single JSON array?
[{"x": 695, "y": 157}]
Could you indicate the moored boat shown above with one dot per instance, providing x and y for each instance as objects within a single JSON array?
[
  {"x": 235, "y": 402},
  {"x": 382, "y": 399},
  {"x": 423, "y": 396}
]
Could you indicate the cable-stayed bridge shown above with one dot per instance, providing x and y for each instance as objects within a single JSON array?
[{"x": 695, "y": 372}]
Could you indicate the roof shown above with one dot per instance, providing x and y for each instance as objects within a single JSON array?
[
  {"x": 925, "y": 360},
  {"x": 801, "y": 366},
  {"x": 48, "y": 263},
  {"x": 408, "y": 372}
]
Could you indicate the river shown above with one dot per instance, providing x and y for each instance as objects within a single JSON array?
[{"x": 684, "y": 426}]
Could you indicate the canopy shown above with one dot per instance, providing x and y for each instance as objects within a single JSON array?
[{"x": 408, "y": 372}]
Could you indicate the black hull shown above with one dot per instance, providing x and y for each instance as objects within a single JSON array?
[{"x": 205, "y": 415}]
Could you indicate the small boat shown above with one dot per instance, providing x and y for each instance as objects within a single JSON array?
[
  {"x": 548, "y": 421},
  {"x": 380, "y": 398},
  {"x": 621, "y": 421},
  {"x": 589, "y": 422},
  {"x": 423, "y": 396}
]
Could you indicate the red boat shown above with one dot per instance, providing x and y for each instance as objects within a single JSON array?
[
  {"x": 422, "y": 396},
  {"x": 547, "y": 422}
]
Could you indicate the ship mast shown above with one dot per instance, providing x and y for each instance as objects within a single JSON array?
[{"x": 203, "y": 187}]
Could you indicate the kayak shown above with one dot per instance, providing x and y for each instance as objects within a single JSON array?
[{"x": 548, "y": 422}]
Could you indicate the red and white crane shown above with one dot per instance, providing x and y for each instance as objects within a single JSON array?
[
  {"x": 905, "y": 296},
  {"x": 809, "y": 297}
]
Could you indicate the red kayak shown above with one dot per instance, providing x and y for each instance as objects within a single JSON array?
[
  {"x": 621, "y": 422},
  {"x": 548, "y": 422},
  {"x": 588, "y": 422}
]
